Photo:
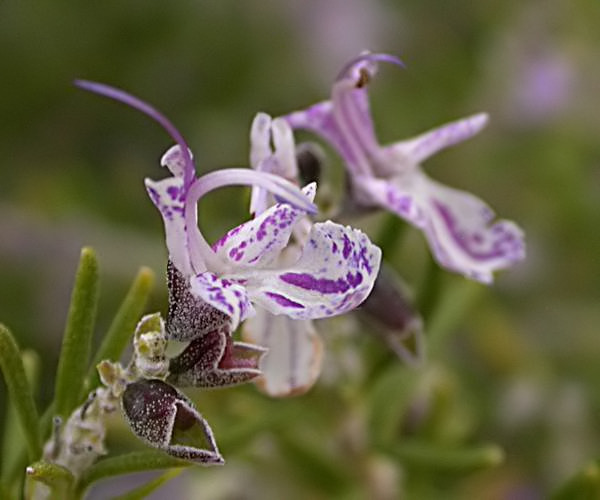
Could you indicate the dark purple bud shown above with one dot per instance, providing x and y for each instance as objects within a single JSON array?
[
  {"x": 390, "y": 314},
  {"x": 165, "y": 419},
  {"x": 310, "y": 158},
  {"x": 189, "y": 317},
  {"x": 215, "y": 360}
]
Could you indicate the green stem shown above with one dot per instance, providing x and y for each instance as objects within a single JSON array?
[
  {"x": 423, "y": 454},
  {"x": 151, "y": 486},
  {"x": 122, "y": 328},
  {"x": 76, "y": 345},
  {"x": 126, "y": 464},
  {"x": 20, "y": 392},
  {"x": 57, "y": 478}
]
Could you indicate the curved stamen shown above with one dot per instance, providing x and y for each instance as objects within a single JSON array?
[
  {"x": 144, "y": 107},
  {"x": 369, "y": 57},
  {"x": 202, "y": 255}
]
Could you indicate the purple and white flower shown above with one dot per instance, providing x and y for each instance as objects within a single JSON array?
[
  {"x": 461, "y": 229},
  {"x": 334, "y": 273}
]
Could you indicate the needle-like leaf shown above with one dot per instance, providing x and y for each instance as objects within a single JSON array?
[
  {"x": 76, "y": 345},
  {"x": 20, "y": 393}
]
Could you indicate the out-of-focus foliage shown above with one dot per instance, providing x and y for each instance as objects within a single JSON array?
[{"x": 515, "y": 364}]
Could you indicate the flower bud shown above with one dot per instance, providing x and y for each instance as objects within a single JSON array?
[
  {"x": 393, "y": 317},
  {"x": 215, "y": 360},
  {"x": 165, "y": 419},
  {"x": 309, "y": 157},
  {"x": 150, "y": 343}
]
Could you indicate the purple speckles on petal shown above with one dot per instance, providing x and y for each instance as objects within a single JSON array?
[
  {"x": 227, "y": 295},
  {"x": 400, "y": 203},
  {"x": 464, "y": 237},
  {"x": 475, "y": 249},
  {"x": 308, "y": 282},
  {"x": 236, "y": 254},
  {"x": 281, "y": 219},
  {"x": 173, "y": 192},
  {"x": 154, "y": 196},
  {"x": 354, "y": 279},
  {"x": 259, "y": 242},
  {"x": 284, "y": 301},
  {"x": 347, "y": 247},
  {"x": 324, "y": 285},
  {"x": 220, "y": 243},
  {"x": 365, "y": 260}
]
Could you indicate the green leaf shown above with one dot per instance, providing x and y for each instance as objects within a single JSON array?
[
  {"x": 389, "y": 398},
  {"x": 57, "y": 478},
  {"x": 125, "y": 464},
  {"x": 151, "y": 486},
  {"x": 20, "y": 392},
  {"x": 13, "y": 443},
  {"x": 122, "y": 328},
  {"x": 584, "y": 486},
  {"x": 418, "y": 453},
  {"x": 76, "y": 345}
]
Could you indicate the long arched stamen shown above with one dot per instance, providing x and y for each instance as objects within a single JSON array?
[
  {"x": 368, "y": 57},
  {"x": 144, "y": 107},
  {"x": 202, "y": 255}
]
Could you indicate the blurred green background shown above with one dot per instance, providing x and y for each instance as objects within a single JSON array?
[{"x": 515, "y": 364}]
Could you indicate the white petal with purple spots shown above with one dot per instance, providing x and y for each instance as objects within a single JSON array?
[
  {"x": 228, "y": 296},
  {"x": 334, "y": 274},
  {"x": 465, "y": 236},
  {"x": 174, "y": 160},
  {"x": 459, "y": 227},
  {"x": 168, "y": 198},
  {"x": 258, "y": 242}
]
